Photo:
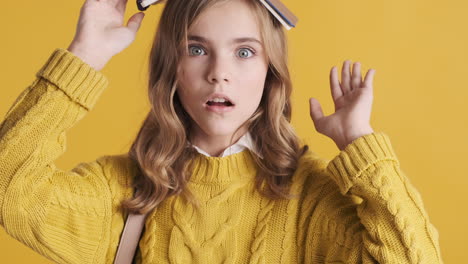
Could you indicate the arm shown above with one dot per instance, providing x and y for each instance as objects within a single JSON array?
[
  {"x": 63, "y": 215},
  {"x": 390, "y": 225}
]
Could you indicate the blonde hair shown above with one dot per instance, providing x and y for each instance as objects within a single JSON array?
[{"x": 161, "y": 150}]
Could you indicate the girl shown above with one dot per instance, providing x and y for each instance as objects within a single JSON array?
[{"x": 216, "y": 164}]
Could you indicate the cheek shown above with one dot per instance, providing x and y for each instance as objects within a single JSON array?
[
  {"x": 188, "y": 96},
  {"x": 184, "y": 80},
  {"x": 255, "y": 80},
  {"x": 257, "y": 71},
  {"x": 187, "y": 71},
  {"x": 190, "y": 67},
  {"x": 254, "y": 87}
]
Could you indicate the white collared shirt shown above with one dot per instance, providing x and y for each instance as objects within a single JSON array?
[{"x": 244, "y": 142}]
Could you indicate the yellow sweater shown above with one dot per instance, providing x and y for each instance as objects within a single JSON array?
[{"x": 357, "y": 208}]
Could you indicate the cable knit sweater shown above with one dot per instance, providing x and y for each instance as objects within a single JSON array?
[{"x": 357, "y": 208}]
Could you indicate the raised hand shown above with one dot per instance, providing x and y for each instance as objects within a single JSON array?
[
  {"x": 353, "y": 104},
  {"x": 101, "y": 34}
]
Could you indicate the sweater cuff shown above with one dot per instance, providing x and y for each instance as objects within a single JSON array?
[
  {"x": 77, "y": 79},
  {"x": 358, "y": 156}
]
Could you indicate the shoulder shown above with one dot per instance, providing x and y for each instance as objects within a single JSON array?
[
  {"x": 119, "y": 170},
  {"x": 116, "y": 162},
  {"x": 319, "y": 188},
  {"x": 310, "y": 169}
]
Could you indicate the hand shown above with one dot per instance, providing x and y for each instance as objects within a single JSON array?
[
  {"x": 353, "y": 103},
  {"x": 100, "y": 32}
]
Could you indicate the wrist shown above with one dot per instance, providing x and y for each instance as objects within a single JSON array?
[
  {"x": 96, "y": 62},
  {"x": 348, "y": 139}
]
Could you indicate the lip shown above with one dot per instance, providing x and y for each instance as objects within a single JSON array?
[
  {"x": 218, "y": 108},
  {"x": 219, "y": 95}
]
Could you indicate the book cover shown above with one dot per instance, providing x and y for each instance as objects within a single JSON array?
[{"x": 281, "y": 12}]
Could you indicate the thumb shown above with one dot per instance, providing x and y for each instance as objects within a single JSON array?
[
  {"x": 315, "y": 110},
  {"x": 134, "y": 22}
]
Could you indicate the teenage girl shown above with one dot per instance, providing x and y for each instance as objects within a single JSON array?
[{"x": 216, "y": 165}]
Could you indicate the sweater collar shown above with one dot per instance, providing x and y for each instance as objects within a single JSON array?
[{"x": 239, "y": 166}]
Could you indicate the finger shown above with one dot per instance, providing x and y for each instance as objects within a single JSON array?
[
  {"x": 134, "y": 22},
  {"x": 121, "y": 5},
  {"x": 345, "y": 78},
  {"x": 335, "y": 84},
  {"x": 369, "y": 79},
  {"x": 315, "y": 110},
  {"x": 356, "y": 79}
]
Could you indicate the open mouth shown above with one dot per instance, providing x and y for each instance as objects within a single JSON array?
[
  {"x": 220, "y": 106},
  {"x": 227, "y": 103}
]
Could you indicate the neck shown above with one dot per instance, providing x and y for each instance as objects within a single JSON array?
[{"x": 215, "y": 144}]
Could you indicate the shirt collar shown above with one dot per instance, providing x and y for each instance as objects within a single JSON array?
[{"x": 244, "y": 142}]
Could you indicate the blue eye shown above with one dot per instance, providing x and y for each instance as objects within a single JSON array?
[
  {"x": 195, "y": 50},
  {"x": 242, "y": 51}
]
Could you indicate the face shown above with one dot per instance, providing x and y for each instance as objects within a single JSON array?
[{"x": 222, "y": 57}]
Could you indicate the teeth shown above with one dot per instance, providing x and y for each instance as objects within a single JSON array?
[{"x": 218, "y": 100}]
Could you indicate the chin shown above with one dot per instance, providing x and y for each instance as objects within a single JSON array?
[{"x": 219, "y": 131}]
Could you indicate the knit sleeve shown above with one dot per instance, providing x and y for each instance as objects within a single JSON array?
[
  {"x": 62, "y": 215},
  {"x": 369, "y": 212}
]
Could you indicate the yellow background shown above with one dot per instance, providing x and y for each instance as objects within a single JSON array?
[{"x": 418, "y": 48}]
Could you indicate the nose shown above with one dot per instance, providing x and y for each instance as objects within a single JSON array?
[{"x": 219, "y": 70}]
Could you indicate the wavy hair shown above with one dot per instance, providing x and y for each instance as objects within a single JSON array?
[{"x": 161, "y": 151}]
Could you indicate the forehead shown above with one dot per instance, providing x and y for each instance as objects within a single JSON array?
[{"x": 226, "y": 21}]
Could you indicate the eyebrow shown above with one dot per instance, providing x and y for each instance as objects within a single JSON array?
[{"x": 234, "y": 41}]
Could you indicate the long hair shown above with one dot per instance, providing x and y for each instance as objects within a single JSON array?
[{"x": 161, "y": 151}]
